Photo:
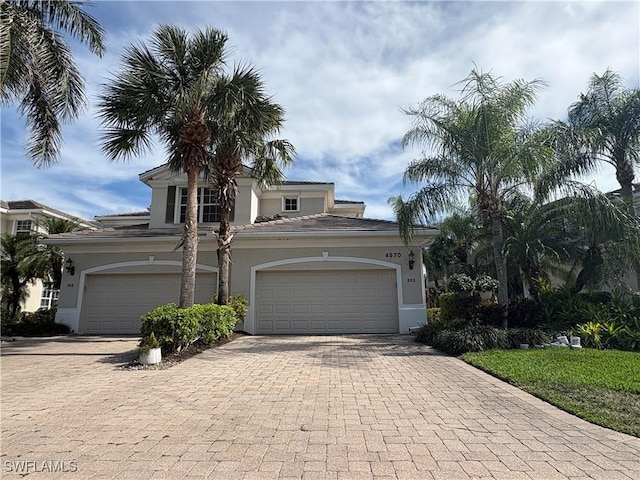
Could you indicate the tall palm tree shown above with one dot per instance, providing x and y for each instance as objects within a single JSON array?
[
  {"x": 165, "y": 90},
  {"x": 603, "y": 126},
  {"x": 480, "y": 146},
  {"x": 37, "y": 68},
  {"x": 243, "y": 122}
]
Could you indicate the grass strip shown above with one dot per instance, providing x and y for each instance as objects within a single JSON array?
[{"x": 600, "y": 386}]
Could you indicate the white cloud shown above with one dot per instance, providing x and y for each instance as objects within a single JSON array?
[{"x": 342, "y": 71}]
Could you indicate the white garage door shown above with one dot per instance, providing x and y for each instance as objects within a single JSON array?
[
  {"x": 300, "y": 302},
  {"x": 114, "y": 303}
]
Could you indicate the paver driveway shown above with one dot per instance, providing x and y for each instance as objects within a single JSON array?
[{"x": 339, "y": 407}]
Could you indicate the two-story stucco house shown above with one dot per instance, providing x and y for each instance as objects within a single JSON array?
[
  {"x": 27, "y": 217},
  {"x": 306, "y": 262}
]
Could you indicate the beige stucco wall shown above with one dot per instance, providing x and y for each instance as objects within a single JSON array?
[
  {"x": 158, "y": 207},
  {"x": 6, "y": 226},
  {"x": 308, "y": 206},
  {"x": 246, "y": 204},
  {"x": 249, "y": 255},
  {"x": 246, "y": 258},
  {"x": 34, "y": 296},
  {"x": 148, "y": 261}
]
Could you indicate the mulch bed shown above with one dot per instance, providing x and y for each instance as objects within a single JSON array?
[{"x": 178, "y": 357}]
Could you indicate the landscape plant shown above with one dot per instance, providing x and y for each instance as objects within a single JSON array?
[
  {"x": 177, "y": 328},
  {"x": 461, "y": 282},
  {"x": 166, "y": 89},
  {"x": 38, "y": 71},
  {"x": 480, "y": 146},
  {"x": 243, "y": 122},
  {"x": 600, "y": 386}
]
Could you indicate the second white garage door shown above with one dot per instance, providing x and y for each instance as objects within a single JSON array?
[
  {"x": 114, "y": 303},
  {"x": 317, "y": 302}
]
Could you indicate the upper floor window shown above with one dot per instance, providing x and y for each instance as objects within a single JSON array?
[
  {"x": 49, "y": 297},
  {"x": 290, "y": 204},
  {"x": 208, "y": 208},
  {"x": 24, "y": 227}
]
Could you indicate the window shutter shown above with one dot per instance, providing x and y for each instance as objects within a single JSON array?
[{"x": 171, "y": 205}]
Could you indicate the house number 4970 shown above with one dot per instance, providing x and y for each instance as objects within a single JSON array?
[{"x": 393, "y": 255}]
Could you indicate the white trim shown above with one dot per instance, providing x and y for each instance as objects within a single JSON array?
[
  {"x": 290, "y": 197},
  {"x": 255, "y": 232},
  {"x": 71, "y": 316},
  {"x": 300, "y": 186},
  {"x": 249, "y": 322},
  {"x": 411, "y": 316}
]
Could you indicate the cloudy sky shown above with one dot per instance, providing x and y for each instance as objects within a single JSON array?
[{"x": 343, "y": 71}]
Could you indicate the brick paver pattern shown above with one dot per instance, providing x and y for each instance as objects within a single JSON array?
[{"x": 295, "y": 407}]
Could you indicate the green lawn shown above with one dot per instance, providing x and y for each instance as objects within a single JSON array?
[{"x": 601, "y": 386}]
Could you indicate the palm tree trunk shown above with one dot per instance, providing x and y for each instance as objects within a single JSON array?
[
  {"x": 500, "y": 264},
  {"x": 224, "y": 255},
  {"x": 190, "y": 238},
  {"x": 625, "y": 176}
]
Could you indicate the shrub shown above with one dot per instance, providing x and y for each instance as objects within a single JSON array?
[
  {"x": 433, "y": 314},
  {"x": 36, "y": 324},
  {"x": 452, "y": 306},
  {"x": 485, "y": 283},
  {"x": 490, "y": 314},
  {"x": 461, "y": 282},
  {"x": 177, "y": 328},
  {"x": 217, "y": 322},
  {"x": 160, "y": 321},
  {"x": 525, "y": 313},
  {"x": 529, "y": 336},
  {"x": 473, "y": 338},
  {"x": 239, "y": 305},
  {"x": 428, "y": 332}
]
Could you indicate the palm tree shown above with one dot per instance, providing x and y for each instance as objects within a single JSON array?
[
  {"x": 18, "y": 271},
  {"x": 536, "y": 242},
  {"x": 603, "y": 126},
  {"x": 243, "y": 122},
  {"x": 584, "y": 237},
  {"x": 605, "y": 239},
  {"x": 479, "y": 146},
  {"x": 37, "y": 69},
  {"x": 166, "y": 90}
]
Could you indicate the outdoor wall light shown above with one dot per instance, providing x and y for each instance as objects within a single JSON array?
[
  {"x": 70, "y": 267},
  {"x": 412, "y": 260}
]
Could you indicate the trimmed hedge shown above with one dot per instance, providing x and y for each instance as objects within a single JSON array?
[
  {"x": 37, "y": 324},
  {"x": 177, "y": 328},
  {"x": 452, "y": 306}
]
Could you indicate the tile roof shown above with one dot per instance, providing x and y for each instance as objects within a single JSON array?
[
  {"x": 295, "y": 182},
  {"x": 33, "y": 205},
  {"x": 126, "y": 214},
  {"x": 321, "y": 222}
]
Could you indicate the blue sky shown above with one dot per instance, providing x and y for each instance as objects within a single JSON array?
[{"x": 342, "y": 71}]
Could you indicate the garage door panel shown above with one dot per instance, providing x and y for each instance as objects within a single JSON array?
[
  {"x": 114, "y": 303},
  {"x": 326, "y": 302}
]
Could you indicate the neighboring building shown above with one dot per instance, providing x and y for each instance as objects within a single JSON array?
[
  {"x": 25, "y": 217},
  {"x": 306, "y": 262}
]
